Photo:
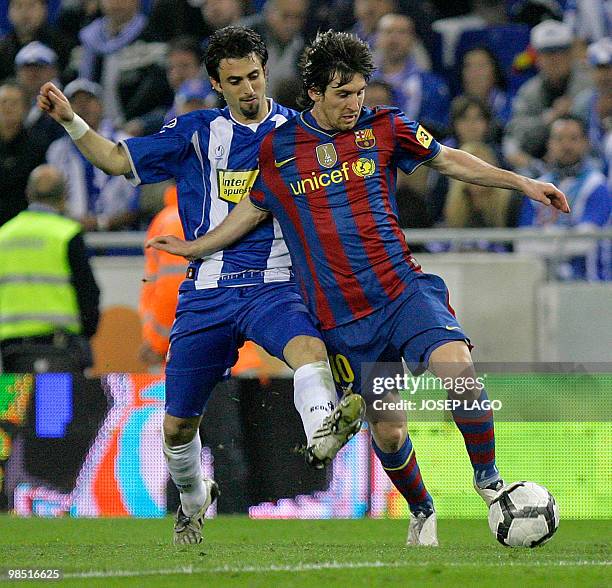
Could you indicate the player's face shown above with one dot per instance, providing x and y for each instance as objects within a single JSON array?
[
  {"x": 243, "y": 85},
  {"x": 339, "y": 107}
]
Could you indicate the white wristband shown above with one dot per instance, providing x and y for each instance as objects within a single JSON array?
[{"x": 76, "y": 128}]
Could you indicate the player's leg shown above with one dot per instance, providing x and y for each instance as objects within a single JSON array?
[
  {"x": 451, "y": 360},
  {"x": 393, "y": 447},
  {"x": 358, "y": 352},
  {"x": 182, "y": 450},
  {"x": 431, "y": 337},
  {"x": 202, "y": 349},
  {"x": 314, "y": 394},
  {"x": 275, "y": 317},
  {"x": 327, "y": 426}
]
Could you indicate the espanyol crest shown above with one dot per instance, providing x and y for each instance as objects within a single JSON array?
[
  {"x": 326, "y": 155},
  {"x": 365, "y": 139}
]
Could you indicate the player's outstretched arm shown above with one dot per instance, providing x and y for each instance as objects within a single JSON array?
[
  {"x": 103, "y": 153},
  {"x": 242, "y": 220},
  {"x": 468, "y": 168}
]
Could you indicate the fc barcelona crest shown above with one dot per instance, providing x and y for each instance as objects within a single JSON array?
[
  {"x": 365, "y": 139},
  {"x": 326, "y": 154}
]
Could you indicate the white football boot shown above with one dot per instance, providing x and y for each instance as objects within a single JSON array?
[
  {"x": 423, "y": 529},
  {"x": 337, "y": 430},
  {"x": 188, "y": 530},
  {"x": 488, "y": 493}
]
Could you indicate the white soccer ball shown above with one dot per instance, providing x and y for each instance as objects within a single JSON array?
[{"x": 523, "y": 514}]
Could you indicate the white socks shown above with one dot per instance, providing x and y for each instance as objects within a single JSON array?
[
  {"x": 186, "y": 472},
  {"x": 314, "y": 395}
]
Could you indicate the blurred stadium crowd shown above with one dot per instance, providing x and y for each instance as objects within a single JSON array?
[{"x": 526, "y": 84}]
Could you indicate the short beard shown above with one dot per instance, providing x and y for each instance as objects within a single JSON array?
[{"x": 251, "y": 114}]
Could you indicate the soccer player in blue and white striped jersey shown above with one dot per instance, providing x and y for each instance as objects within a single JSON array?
[{"x": 246, "y": 291}]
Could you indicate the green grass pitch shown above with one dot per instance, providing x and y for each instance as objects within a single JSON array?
[{"x": 242, "y": 552}]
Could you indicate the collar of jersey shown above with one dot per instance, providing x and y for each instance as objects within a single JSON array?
[
  {"x": 309, "y": 121},
  {"x": 271, "y": 112}
]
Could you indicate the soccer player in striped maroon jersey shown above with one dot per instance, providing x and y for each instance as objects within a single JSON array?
[{"x": 328, "y": 177}]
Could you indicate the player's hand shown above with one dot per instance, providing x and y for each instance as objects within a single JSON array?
[
  {"x": 54, "y": 103},
  {"x": 547, "y": 194},
  {"x": 175, "y": 246}
]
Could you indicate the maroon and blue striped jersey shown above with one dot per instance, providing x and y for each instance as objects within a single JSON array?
[{"x": 333, "y": 195}]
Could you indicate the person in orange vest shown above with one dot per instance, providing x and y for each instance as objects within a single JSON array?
[{"x": 163, "y": 276}]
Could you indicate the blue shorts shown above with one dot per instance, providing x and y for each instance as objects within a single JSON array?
[
  {"x": 410, "y": 328},
  {"x": 210, "y": 327}
]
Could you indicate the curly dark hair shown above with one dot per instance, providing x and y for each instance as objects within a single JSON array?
[
  {"x": 233, "y": 42},
  {"x": 329, "y": 54}
]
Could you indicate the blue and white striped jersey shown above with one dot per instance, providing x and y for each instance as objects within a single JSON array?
[{"x": 214, "y": 160}]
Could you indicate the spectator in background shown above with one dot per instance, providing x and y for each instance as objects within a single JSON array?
[
  {"x": 20, "y": 152},
  {"x": 480, "y": 15},
  {"x": 98, "y": 201},
  {"x": 29, "y": 20},
  {"x": 533, "y": 12},
  {"x": 281, "y": 26},
  {"x": 378, "y": 93},
  {"x": 482, "y": 76},
  {"x": 470, "y": 122},
  {"x": 594, "y": 105},
  {"x": 118, "y": 53},
  {"x": 590, "y": 20},
  {"x": 183, "y": 63},
  {"x": 75, "y": 15},
  {"x": 163, "y": 276},
  {"x": 49, "y": 308},
  {"x": 36, "y": 64},
  {"x": 193, "y": 95},
  {"x": 545, "y": 97},
  {"x": 589, "y": 199},
  {"x": 472, "y": 206},
  {"x": 198, "y": 19},
  {"x": 420, "y": 94},
  {"x": 470, "y": 119},
  {"x": 368, "y": 13}
]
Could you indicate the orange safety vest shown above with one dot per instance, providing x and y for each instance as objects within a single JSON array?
[{"x": 163, "y": 275}]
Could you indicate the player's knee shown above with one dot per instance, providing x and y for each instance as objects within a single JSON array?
[
  {"x": 466, "y": 386},
  {"x": 303, "y": 350},
  {"x": 389, "y": 436},
  {"x": 179, "y": 431}
]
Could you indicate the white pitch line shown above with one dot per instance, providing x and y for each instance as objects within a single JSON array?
[{"x": 332, "y": 565}]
